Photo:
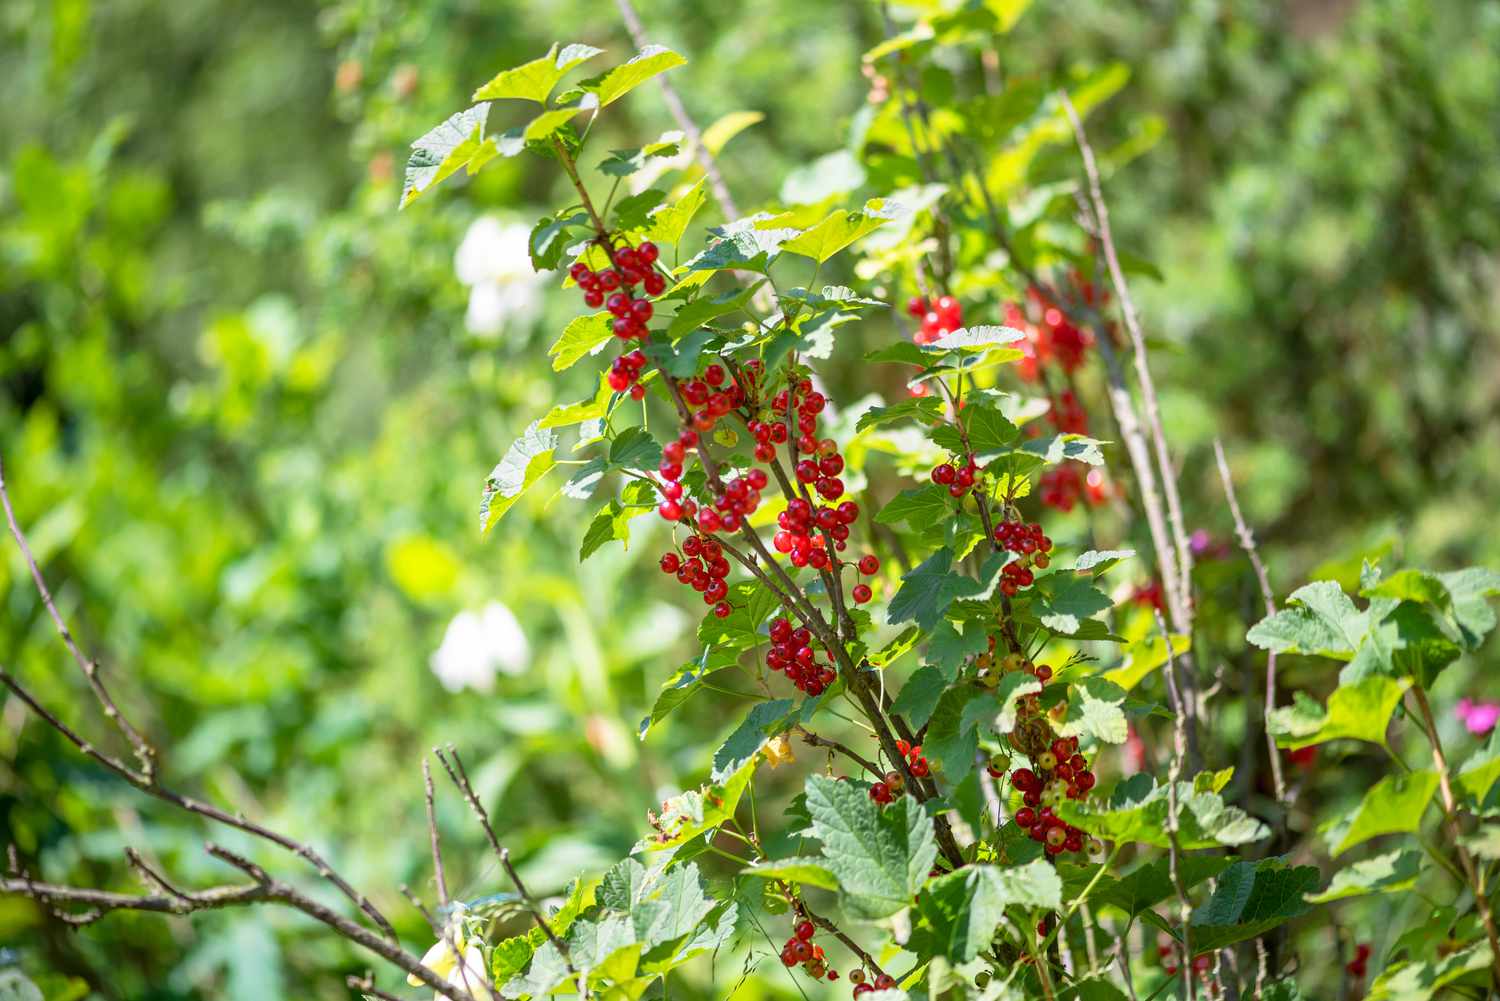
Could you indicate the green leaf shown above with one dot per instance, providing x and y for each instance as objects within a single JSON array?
[
  {"x": 880, "y": 857},
  {"x": 1094, "y": 710},
  {"x": 705, "y": 308},
  {"x": 1394, "y": 805},
  {"x": 952, "y": 738},
  {"x": 1425, "y": 977},
  {"x": 922, "y": 409},
  {"x": 1249, "y": 900},
  {"x": 949, "y": 648},
  {"x": 1484, "y": 842},
  {"x": 750, "y": 602},
  {"x": 919, "y": 696},
  {"x": 527, "y": 460},
  {"x": 742, "y": 244},
  {"x": 548, "y": 237},
  {"x": 927, "y": 590},
  {"x": 607, "y": 526},
  {"x": 680, "y": 360},
  {"x": 634, "y": 211},
  {"x": 838, "y": 230},
  {"x": 898, "y": 647},
  {"x": 621, "y": 80},
  {"x": 535, "y": 80},
  {"x": 690, "y": 814},
  {"x": 977, "y": 339},
  {"x": 543, "y": 126},
  {"x": 718, "y": 133},
  {"x": 1065, "y": 600},
  {"x": 1012, "y": 689},
  {"x": 1150, "y": 884},
  {"x": 1145, "y": 656},
  {"x": 801, "y": 871},
  {"x": 624, "y": 162},
  {"x": 1204, "y": 819},
  {"x": 964, "y": 908},
  {"x": 444, "y": 151},
  {"x": 922, "y": 506},
  {"x": 1393, "y": 872},
  {"x": 1319, "y": 620},
  {"x": 635, "y": 449},
  {"x": 1360, "y": 711},
  {"x": 1061, "y": 447},
  {"x": 1481, "y": 771},
  {"x": 1100, "y": 560},
  {"x": 1470, "y": 589},
  {"x": 685, "y": 684},
  {"x": 668, "y": 223},
  {"x": 584, "y": 335},
  {"x": 764, "y": 721}
]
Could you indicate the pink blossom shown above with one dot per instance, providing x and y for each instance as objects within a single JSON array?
[{"x": 1479, "y": 717}]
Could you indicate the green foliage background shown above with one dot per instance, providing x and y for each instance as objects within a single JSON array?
[{"x": 245, "y": 426}]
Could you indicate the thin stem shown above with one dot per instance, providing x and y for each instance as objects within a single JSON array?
[
  {"x": 1450, "y": 810},
  {"x": 1174, "y": 775},
  {"x": 1247, "y": 543},
  {"x": 1142, "y": 366},
  {"x": 432, "y": 831}
]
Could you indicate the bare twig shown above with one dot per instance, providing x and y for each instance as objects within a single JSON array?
[
  {"x": 366, "y": 985},
  {"x": 852, "y": 945},
  {"x": 439, "y": 875},
  {"x": 460, "y": 777},
  {"x": 146, "y": 778},
  {"x": 171, "y": 900},
  {"x": 1247, "y": 543},
  {"x": 1142, "y": 366},
  {"x": 816, "y": 741},
  {"x": 685, "y": 121},
  {"x": 1450, "y": 816},
  {"x": 144, "y": 752},
  {"x": 1174, "y": 775}
]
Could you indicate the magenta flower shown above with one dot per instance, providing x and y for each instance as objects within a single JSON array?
[{"x": 1479, "y": 717}]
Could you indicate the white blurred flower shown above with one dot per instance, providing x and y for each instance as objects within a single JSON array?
[
  {"x": 468, "y": 976},
  {"x": 493, "y": 260},
  {"x": 477, "y": 645}
]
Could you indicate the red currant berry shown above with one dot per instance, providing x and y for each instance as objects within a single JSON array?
[
  {"x": 670, "y": 562},
  {"x": 944, "y": 474},
  {"x": 869, "y": 564},
  {"x": 862, "y": 593},
  {"x": 805, "y": 930}
]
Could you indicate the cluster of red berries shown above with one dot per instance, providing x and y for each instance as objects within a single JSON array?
[
  {"x": 1067, "y": 415},
  {"x": 1356, "y": 966},
  {"x": 675, "y": 507},
  {"x": 624, "y": 372},
  {"x": 1033, "y": 546},
  {"x": 1062, "y": 487},
  {"x": 941, "y": 316},
  {"x": 709, "y": 398},
  {"x": 614, "y": 288},
  {"x": 1053, "y": 337},
  {"x": 801, "y": 525},
  {"x": 1060, "y": 772},
  {"x": 702, "y": 567},
  {"x": 792, "y": 651},
  {"x": 1149, "y": 595},
  {"x": 863, "y": 985},
  {"x": 799, "y": 948},
  {"x": 893, "y": 784},
  {"x": 1201, "y": 964},
  {"x": 959, "y": 479}
]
